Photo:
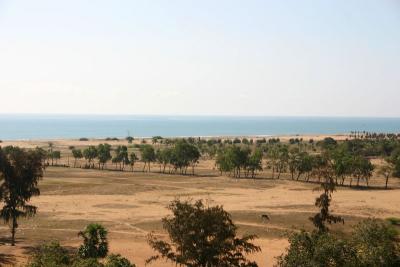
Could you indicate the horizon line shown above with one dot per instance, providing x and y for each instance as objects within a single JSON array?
[{"x": 200, "y": 115}]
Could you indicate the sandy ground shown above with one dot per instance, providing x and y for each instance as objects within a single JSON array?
[{"x": 131, "y": 205}]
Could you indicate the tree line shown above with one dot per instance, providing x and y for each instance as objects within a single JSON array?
[
  {"x": 301, "y": 160},
  {"x": 178, "y": 157}
]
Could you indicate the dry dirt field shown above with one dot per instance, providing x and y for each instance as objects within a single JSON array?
[{"x": 131, "y": 205}]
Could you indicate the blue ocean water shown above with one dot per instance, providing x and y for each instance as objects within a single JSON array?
[{"x": 17, "y": 127}]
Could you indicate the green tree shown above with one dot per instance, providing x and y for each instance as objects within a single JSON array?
[
  {"x": 103, "y": 154},
  {"x": 387, "y": 170},
  {"x": 317, "y": 250},
  {"x": 90, "y": 153},
  {"x": 361, "y": 168},
  {"x": 77, "y": 154},
  {"x": 132, "y": 160},
  {"x": 129, "y": 139},
  {"x": 254, "y": 163},
  {"x": 20, "y": 172},
  {"x": 323, "y": 202},
  {"x": 148, "y": 155},
  {"x": 50, "y": 154},
  {"x": 56, "y": 154},
  {"x": 376, "y": 244},
  {"x": 202, "y": 236},
  {"x": 95, "y": 244},
  {"x": 283, "y": 160}
]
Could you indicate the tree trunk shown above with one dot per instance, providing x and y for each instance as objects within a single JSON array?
[
  {"x": 13, "y": 229},
  {"x": 387, "y": 180}
]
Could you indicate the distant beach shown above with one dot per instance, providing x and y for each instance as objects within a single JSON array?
[{"x": 44, "y": 127}]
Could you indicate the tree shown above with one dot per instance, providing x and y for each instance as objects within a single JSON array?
[
  {"x": 129, "y": 139},
  {"x": 273, "y": 159},
  {"x": 184, "y": 154},
  {"x": 254, "y": 163},
  {"x": 203, "y": 237},
  {"x": 361, "y": 168},
  {"x": 148, "y": 155},
  {"x": 387, "y": 170},
  {"x": 90, "y": 153},
  {"x": 77, "y": 154},
  {"x": 20, "y": 172},
  {"x": 376, "y": 244},
  {"x": 56, "y": 155},
  {"x": 95, "y": 244},
  {"x": 372, "y": 243},
  {"x": 328, "y": 143},
  {"x": 323, "y": 202},
  {"x": 50, "y": 152},
  {"x": 164, "y": 157},
  {"x": 132, "y": 160},
  {"x": 103, "y": 154},
  {"x": 293, "y": 161},
  {"x": 317, "y": 249},
  {"x": 283, "y": 160}
]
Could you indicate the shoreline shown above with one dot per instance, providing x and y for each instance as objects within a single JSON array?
[{"x": 66, "y": 141}]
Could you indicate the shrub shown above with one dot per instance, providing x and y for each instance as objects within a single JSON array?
[
  {"x": 112, "y": 139},
  {"x": 95, "y": 243},
  {"x": 49, "y": 255},
  {"x": 83, "y": 139},
  {"x": 317, "y": 249},
  {"x": 394, "y": 221},
  {"x": 115, "y": 260},
  {"x": 376, "y": 243},
  {"x": 372, "y": 243},
  {"x": 89, "y": 262}
]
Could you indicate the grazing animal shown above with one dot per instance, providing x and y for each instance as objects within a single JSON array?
[{"x": 265, "y": 217}]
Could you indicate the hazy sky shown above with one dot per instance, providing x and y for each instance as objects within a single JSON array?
[{"x": 204, "y": 57}]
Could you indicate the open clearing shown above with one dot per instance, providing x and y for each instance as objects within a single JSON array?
[{"x": 131, "y": 205}]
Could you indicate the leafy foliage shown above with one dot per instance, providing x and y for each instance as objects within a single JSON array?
[
  {"x": 116, "y": 260},
  {"x": 317, "y": 249},
  {"x": 323, "y": 202},
  {"x": 49, "y": 255},
  {"x": 20, "y": 172},
  {"x": 202, "y": 236},
  {"x": 95, "y": 243},
  {"x": 376, "y": 244}
]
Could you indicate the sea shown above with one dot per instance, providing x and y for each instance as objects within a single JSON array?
[{"x": 36, "y": 127}]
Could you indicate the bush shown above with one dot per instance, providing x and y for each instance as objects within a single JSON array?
[
  {"x": 83, "y": 139},
  {"x": 112, "y": 139},
  {"x": 376, "y": 243},
  {"x": 95, "y": 243},
  {"x": 49, "y": 255},
  {"x": 394, "y": 221},
  {"x": 317, "y": 249},
  {"x": 115, "y": 260},
  {"x": 90, "y": 262},
  {"x": 372, "y": 243},
  {"x": 129, "y": 139}
]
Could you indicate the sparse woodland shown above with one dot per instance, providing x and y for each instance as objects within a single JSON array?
[{"x": 203, "y": 235}]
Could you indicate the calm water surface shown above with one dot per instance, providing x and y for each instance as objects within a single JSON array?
[{"x": 15, "y": 127}]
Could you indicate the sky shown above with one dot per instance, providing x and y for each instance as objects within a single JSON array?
[{"x": 204, "y": 57}]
